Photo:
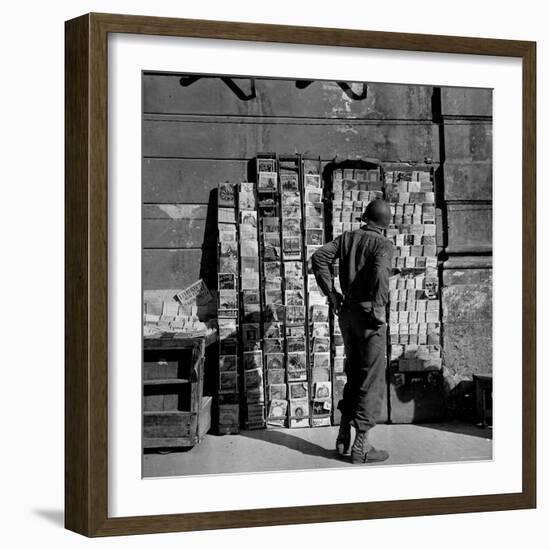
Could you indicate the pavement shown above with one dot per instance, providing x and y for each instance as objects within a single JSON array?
[{"x": 307, "y": 448}]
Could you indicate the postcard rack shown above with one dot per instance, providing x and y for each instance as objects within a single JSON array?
[
  {"x": 228, "y": 393},
  {"x": 352, "y": 189},
  {"x": 317, "y": 310},
  {"x": 294, "y": 274},
  {"x": 414, "y": 311},
  {"x": 282, "y": 353},
  {"x": 271, "y": 295},
  {"x": 253, "y": 397}
]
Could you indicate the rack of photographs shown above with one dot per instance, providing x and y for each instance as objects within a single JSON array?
[
  {"x": 285, "y": 335},
  {"x": 271, "y": 294},
  {"x": 228, "y": 395},
  {"x": 296, "y": 328},
  {"x": 252, "y": 357},
  {"x": 352, "y": 190},
  {"x": 414, "y": 316},
  {"x": 320, "y": 377}
]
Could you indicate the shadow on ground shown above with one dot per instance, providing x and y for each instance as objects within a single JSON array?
[
  {"x": 460, "y": 428},
  {"x": 291, "y": 442}
]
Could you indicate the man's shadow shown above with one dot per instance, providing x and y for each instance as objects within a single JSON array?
[{"x": 292, "y": 442}]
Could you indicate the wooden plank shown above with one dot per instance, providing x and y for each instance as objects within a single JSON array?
[
  {"x": 159, "y": 370},
  {"x": 469, "y": 181},
  {"x": 174, "y": 233},
  {"x": 168, "y": 424},
  {"x": 152, "y": 442},
  {"x": 243, "y": 138},
  {"x": 321, "y": 99},
  {"x": 174, "y": 211},
  {"x": 187, "y": 181},
  {"x": 205, "y": 416},
  {"x": 466, "y": 102},
  {"x": 164, "y": 346},
  {"x": 165, "y": 381},
  {"x": 154, "y": 402},
  {"x": 468, "y": 141},
  {"x": 80, "y": 489},
  {"x": 470, "y": 228},
  {"x": 166, "y": 269}
]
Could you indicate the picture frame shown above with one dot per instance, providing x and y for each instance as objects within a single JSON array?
[{"x": 86, "y": 282}]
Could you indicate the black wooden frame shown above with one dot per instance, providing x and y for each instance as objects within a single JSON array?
[{"x": 86, "y": 274}]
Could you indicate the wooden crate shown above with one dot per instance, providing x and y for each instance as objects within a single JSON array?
[{"x": 175, "y": 412}]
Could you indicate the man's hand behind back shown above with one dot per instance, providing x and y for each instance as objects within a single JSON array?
[
  {"x": 378, "y": 314},
  {"x": 335, "y": 299}
]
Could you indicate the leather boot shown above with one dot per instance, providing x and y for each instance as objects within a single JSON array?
[
  {"x": 343, "y": 440},
  {"x": 363, "y": 452}
]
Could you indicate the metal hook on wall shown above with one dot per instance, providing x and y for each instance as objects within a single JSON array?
[
  {"x": 346, "y": 88},
  {"x": 303, "y": 84},
  {"x": 188, "y": 80},
  {"x": 229, "y": 82},
  {"x": 251, "y": 94}
]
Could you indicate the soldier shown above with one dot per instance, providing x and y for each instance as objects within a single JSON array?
[{"x": 364, "y": 257}]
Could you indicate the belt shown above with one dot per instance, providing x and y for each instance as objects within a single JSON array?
[{"x": 367, "y": 305}]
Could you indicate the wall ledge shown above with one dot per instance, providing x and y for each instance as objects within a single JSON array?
[{"x": 469, "y": 262}]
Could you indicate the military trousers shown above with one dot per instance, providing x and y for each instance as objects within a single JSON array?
[{"x": 365, "y": 366}]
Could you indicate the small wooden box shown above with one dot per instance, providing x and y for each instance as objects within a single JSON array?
[{"x": 175, "y": 412}]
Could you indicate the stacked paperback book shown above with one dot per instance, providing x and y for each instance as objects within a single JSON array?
[
  {"x": 414, "y": 322},
  {"x": 228, "y": 311}
]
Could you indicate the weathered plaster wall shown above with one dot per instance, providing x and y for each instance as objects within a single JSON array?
[
  {"x": 203, "y": 132},
  {"x": 466, "y": 276}
]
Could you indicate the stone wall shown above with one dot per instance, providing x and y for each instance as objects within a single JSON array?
[{"x": 466, "y": 275}]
